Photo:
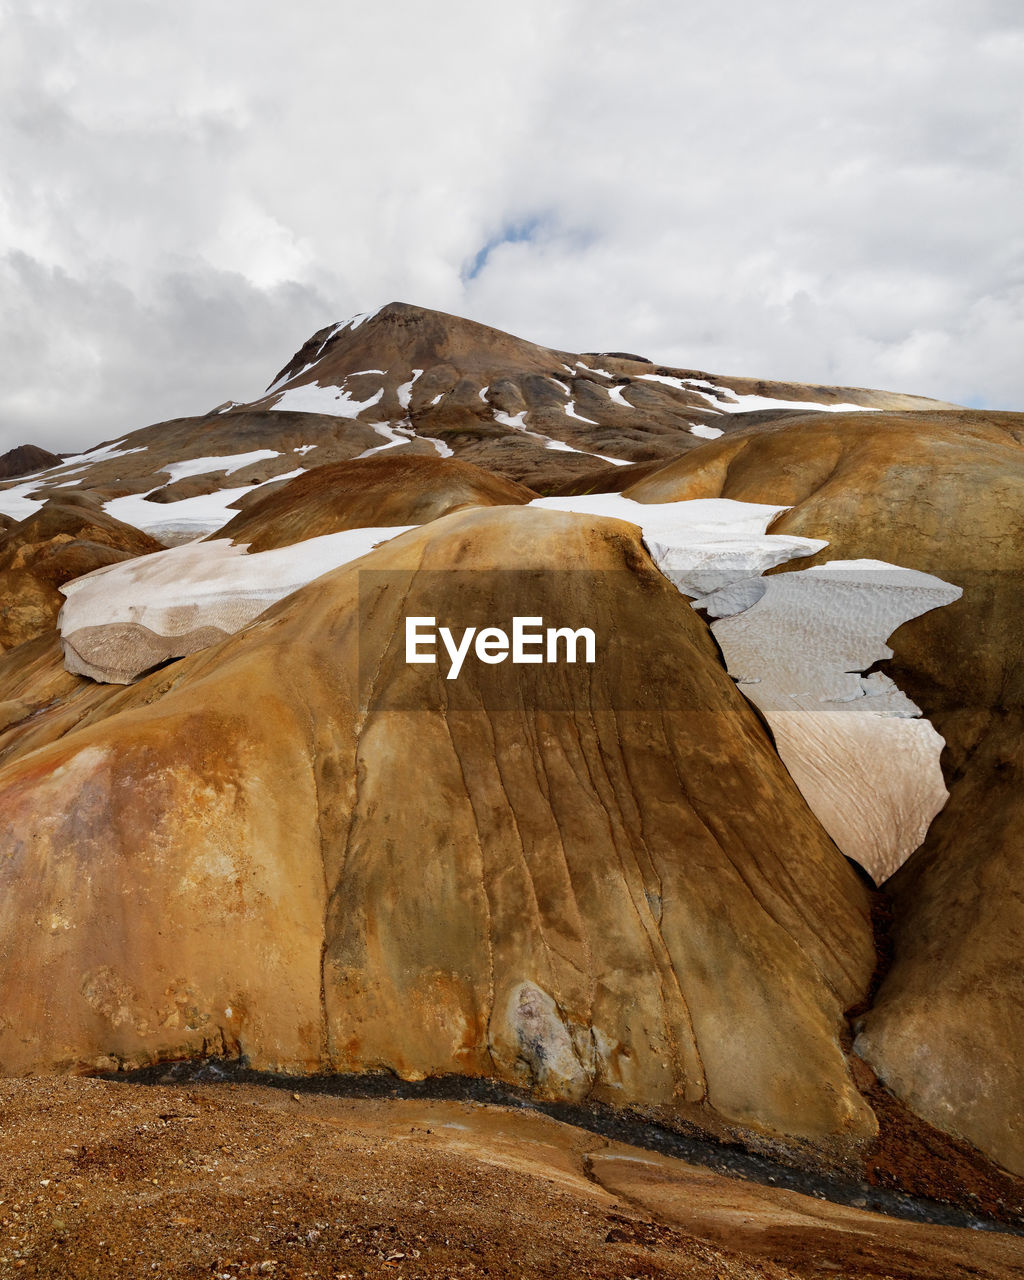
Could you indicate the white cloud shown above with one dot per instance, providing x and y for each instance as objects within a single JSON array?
[{"x": 790, "y": 190}]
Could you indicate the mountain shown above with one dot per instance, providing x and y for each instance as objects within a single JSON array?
[
  {"x": 410, "y": 381},
  {"x": 526, "y": 913},
  {"x": 26, "y": 459},
  {"x": 748, "y": 867}
]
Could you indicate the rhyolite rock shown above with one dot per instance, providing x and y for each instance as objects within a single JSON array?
[
  {"x": 594, "y": 880},
  {"x": 62, "y": 541},
  {"x": 942, "y": 494}
]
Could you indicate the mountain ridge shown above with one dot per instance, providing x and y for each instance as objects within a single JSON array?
[{"x": 411, "y": 380}]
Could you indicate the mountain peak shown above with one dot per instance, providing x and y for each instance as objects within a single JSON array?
[
  {"x": 400, "y": 332},
  {"x": 25, "y": 459}
]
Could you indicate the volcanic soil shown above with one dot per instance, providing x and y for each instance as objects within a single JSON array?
[{"x": 102, "y": 1179}]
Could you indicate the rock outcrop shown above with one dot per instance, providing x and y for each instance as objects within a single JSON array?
[
  {"x": 602, "y": 883},
  {"x": 941, "y": 494},
  {"x": 61, "y": 542}
]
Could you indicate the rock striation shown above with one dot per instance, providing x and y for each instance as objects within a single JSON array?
[
  {"x": 592, "y": 889},
  {"x": 940, "y": 494}
]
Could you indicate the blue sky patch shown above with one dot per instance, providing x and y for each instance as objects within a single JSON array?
[{"x": 511, "y": 233}]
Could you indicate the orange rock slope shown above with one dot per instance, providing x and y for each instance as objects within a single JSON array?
[
  {"x": 65, "y": 539},
  {"x": 293, "y": 846},
  {"x": 942, "y": 493}
]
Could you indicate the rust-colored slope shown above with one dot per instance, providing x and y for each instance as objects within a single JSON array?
[
  {"x": 378, "y": 491},
  {"x": 63, "y": 540},
  {"x": 602, "y": 885},
  {"x": 943, "y": 494}
]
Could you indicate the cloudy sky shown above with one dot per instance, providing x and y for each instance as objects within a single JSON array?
[{"x": 786, "y": 189}]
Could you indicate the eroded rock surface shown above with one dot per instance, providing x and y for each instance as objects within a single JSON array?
[
  {"x": 620, "y": 900},
  {"x": 941, "y": 494},
  {"x": 60, "y": 542}
]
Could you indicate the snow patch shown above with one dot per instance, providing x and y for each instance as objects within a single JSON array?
[
  {"x": 858, "y": 748},
  {"x": 290, "y": 377},
  {"x": 517, "y": 420},
  {"x": 360, "y": 318},
  {"x": 748, "y": 404},
  {"x": 227, "y": 464},
  {"x": 570, "y": 410},
  {"x": 680, "y": 384},
  {"x": 704, "y": 431},
  {"x": 312, "y": 398},
  {"x": 864, "y": 758},
  {"x": 404, "y": 392},
  {"x": 103, "y": 453},
  {"x": 14, "y": 502},
  {"x": 725, "y": 400},
  {"x": 189, "y": 517},
  {"x": 392, "y": 435},
  {"x": 188, "y": 589},
  {"x": 700, "y": 546}
]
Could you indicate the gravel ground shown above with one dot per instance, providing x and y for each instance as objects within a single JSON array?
[{"x": 99, "y": 1179}]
